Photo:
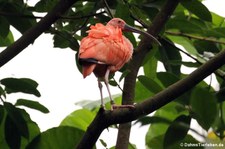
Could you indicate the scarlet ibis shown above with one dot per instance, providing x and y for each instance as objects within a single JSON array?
[{"x": 105, "y": 50}]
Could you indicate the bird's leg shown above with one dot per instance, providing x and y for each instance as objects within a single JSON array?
[
  {"x": 100, "y": 89},
  {"x": 113, "y": 106},
  {"x": 106, "y": 80}
]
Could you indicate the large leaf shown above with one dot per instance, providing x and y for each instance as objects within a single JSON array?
[
  {"x": 186, "y": 43},
  {"x": 204, "y": 106},
  {"x": 4, "y": 29},
  {"x": 150, "y": 84},
  {"x": 25, "y": 85},
  {"x": 156, "y": 132},
  {"x": 6, "y": 41},
  {"x": 19, "y": 9},
  {"x": 3, "y": 143},
  {"x": 79, "y": 119},
  {"x": 184, "y": 25},
  {"x": 16, "y": 117},
  {"x": 217, "y": 20},
  {"x": 197, "y": 8},
  {"x": 2, "y": 113},
  {"x": 178, "y": 128},
  {"x": 63, "y": 137},
  {"x": 186, "y": 142},
  {"x": 150, "y": 64},
  {"x": 153, "y": 119},
  {"x": 45, "y": 5},
  {"x": 203, "y": 46},
  {"x": 169, "y": 53},
  {"x": 167, "y": 79},
  {"x": 32, "y": 104},
  {"x": 12, "y": 133},
  {"x": 141, "y": 92},
  {"x": 32, "y": 127}
]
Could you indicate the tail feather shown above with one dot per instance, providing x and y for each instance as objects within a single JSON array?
[{"x": 88, "y": 69}]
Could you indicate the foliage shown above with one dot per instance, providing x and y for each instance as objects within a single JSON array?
[{"x": 192, "y": 25}]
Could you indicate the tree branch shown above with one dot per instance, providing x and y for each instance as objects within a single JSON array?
[
  {"x": 30, "y": 35},
  {"x": 194, "y": 37}
]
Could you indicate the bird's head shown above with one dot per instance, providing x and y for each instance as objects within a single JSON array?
[{"x": 117, "y": 22}]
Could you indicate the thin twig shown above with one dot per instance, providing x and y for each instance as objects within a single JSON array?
[
  {"x": 195, "y": 37},
  {"x": 39, "y": 17},
  {"x": 8, "y": 14},
  {"x": 107, "y": 8},
  {"x": 1, "y": 99},
  {"x": 139, "y": 21},
  {"x": 81, "y": 17},
  {"x": 117, "y": 84}
]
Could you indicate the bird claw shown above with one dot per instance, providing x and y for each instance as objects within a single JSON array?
[{"x": 113, "y": 106}]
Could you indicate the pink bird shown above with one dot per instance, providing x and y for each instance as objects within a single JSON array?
[{"x": 105, "y": 50}]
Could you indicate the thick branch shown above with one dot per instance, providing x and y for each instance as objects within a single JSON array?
[{"x": 30, "y": 35}]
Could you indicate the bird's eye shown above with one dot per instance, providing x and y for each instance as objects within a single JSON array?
[{"x": 119, "y": 21}]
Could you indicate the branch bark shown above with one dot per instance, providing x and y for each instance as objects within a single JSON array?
[{"x": 30, "y": 35}]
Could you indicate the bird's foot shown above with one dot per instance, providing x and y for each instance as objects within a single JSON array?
[
  {"x": 103, "y": 107},
  {"x": 114, "y": 106}
]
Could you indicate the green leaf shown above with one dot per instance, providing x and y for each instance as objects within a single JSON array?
[
  {"x": 16, "y": 117},
  {"x": 156, "y": 132},
  {"x": 156, "y": 142},
  {"x": 186, "y": 142},
  {"x": 12, "y": 133},
  {"x": 150, "y": 64},
  {"x": 25, "y": 85},
  {"x": 177, "y": 131},
  {"x": 19, "y": 9},
  {"x": 4, "y": 29},
  {"x": 122, "y": 11},
  {"x": 204, "y": 106},
  {"x": 2, "y": 113},
  {"x": 203, "y": 46},
  {"x": 167, "y": 79},
  {"x": 79, "y": 119},
  {"x": 168, "y": 53},
  {"x": 32, "y": 127},
  {"x": 197, "y": 8},
  {"x": 8, "y": 40},
  {"x": 153, "y": 119},
  {"x": 32, "y": 104},
  {"x": 150, "y": 84},
  {"x": 103, "y": 142},
  {"x": 2, "y": 92},
  {"x": 45, "y": 5},
  {"x": 217, "y": 20},
  {"x": 184, "y": 25},
  {"x": 63, "y": 39},
  {"x": 186, "y": 43},
  {"x": 141, "y": 92},
  {"x": 63, "y": 137}
]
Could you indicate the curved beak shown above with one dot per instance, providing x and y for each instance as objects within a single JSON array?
[{"x": 132, "y": 29}]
